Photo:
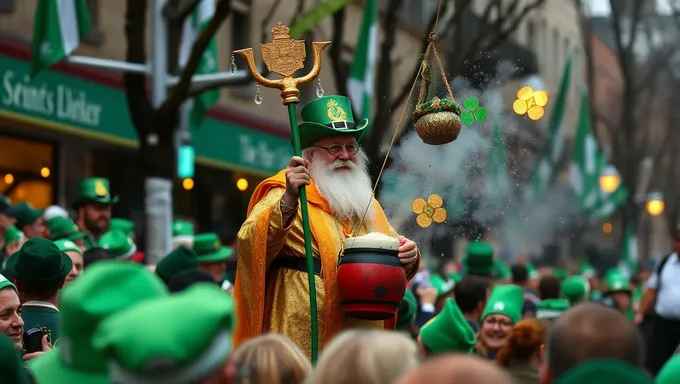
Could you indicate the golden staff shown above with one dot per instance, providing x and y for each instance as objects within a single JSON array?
[{"x": 285, "y": 56}]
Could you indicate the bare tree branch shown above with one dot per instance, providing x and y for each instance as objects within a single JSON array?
[
  {"x": 340, "y": 73},
  {"x": 176, "y": 11},
  {"x": 141, "y": 110}
]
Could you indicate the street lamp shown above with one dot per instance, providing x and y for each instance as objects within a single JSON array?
[
  {"x": 655, "y": 204},
  {"x": 610, "y": 179}
]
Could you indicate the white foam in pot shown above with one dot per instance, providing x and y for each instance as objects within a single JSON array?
[{"x": 375, "y": 240}]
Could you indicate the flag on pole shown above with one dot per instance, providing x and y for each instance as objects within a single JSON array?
[
  {"x": 58, "y": 27},
  {"x": 209, "y": 62},
  {"x": 546, "y": 172},
  {"x": 585, "y": 160},
  {"x": 362, "y": 72},
  {"x": 496, "y": 161},
  {"x": 629, "y": 253}
]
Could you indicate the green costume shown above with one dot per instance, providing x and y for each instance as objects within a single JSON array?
[
  {"x": 603, "y": 371},
  {"x": 11, "y": 363},
  {"x": 118, "y": 243},
  {"x": 93, "y": 190},
  {"x": 551, "y": 309},
  {"x": 64, "y": 228},
  {"x": 180, "y": 259},
  {"x": 143, "y": 346},
  {"x": 617, "y": 282},
  {"x": 449, "y": 331},
  {"x": 127, "y": 226},
  {"x": 505, "y": 300},
  {"x": 209, "y": 249},
  {"x": 40, "y": 264},
  {"x": 328, "y": 116},
  {"x": 107, "y": 288},
  {"x": 479, "y": 258},
  {"x": 406, "y": 314},
  {"x": 575, "y": 289},
  {"x": 26, "y": 214}
]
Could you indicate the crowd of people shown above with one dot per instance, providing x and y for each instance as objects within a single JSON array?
[{"x": 80, "y": 304}]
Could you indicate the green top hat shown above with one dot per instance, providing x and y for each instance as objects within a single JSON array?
[
  {"x": 575, "y": 289},
  {"x": 170, "y": 351},
  {"x": 11, "y": 363},
  {"x": 552, "y": 308},
  {"x": 328, "y": 116},
  {"x": 180, "y": 259},
  {"x": 94, "y": 190},
  {"x": 479, "y": 258},
  {"x": 39, "y": 262},
  {"x": 505, "y": 300},
  {"x": 118, "y": 243},
  {"x": 449, "y": 331},
  {"x": 604, "y": 371},
  {"x": 64, "y": 228},
  {"x": 66, "y": 245},
  {"x": 209, "y": 249},
  {"x": 26, "y": 214},
  {"x": 617, "y": 282},
  {"x": 13, "y": 234},
  {"x": 406, "y": 314},
  {"x": 182, "y": 228},
  {"x": 107, "y": 288},
  {"x": 670, "y": 372},
  {"x": 127, "y": 226}
]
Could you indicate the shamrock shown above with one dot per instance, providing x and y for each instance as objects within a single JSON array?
[
  {"x": 473, "y": 112},
  {"x": 430, "y": 210}
]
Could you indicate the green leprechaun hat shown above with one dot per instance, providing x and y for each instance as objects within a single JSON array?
[
  {"x": 617, "y": 282},
  {"x": 39, "y": 262},
  {"x": 26, "y": 214},
  {"x": 449, "y": 331},
  {"x": 328, "y": 116},
  {"x": 575, "y": 289},
  {"x": 118, "y": 243},
  {"x": 552, "y": 308},
  {"x": 180, "y": 259},
  {"x": 11, "y": 363},
  {"x": 125, "y": 225},
  {"x": 479, "y": 258},
  {"x": 94, "y": 190},
  {"x": 505, "y": 300},
  {"x": 209, "y": 248},
  {"x": 182, "y": 231},
  {"x": 64, "y": 228}
]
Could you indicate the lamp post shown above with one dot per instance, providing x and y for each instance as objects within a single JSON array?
[
  {"x": 655, "y": 204},
  {"x": 610, "y": 179}
]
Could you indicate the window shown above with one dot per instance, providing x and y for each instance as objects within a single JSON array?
[
  {"x": 7, "y": 6},
  {"x": 26, "y": 170},
  {"x": 96, "y": 35},
  {"x": 240, "y": 38}
]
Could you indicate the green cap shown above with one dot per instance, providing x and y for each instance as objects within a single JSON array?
[
  {"x": 39, "y": 262},
  {"x": 11, "y": 363},
  {"x": 127, "y": 226},
  {"x": 64, "y": 228},
  {"x": 118, "y": 243},
  {"x": 4, "y": 283},
  {"x": 209, "y": 249},
  {"x": 26, "y": 214},
  {"x": 13, "y": 234},
  {"x": 552, "y": 308},
  {"x": 505, "y": 300},
  {"x": 406, "y": 314},
  {"x": 180, "y": 259},
  {"x": 449, "y": 331},
  {"x": 172, "y": 351},
  {"x": 575, "y": 289},
  {"x": 108, "y": 288},
  {"x": 328, "y": 116},
  {"x": 479, "y": 258},
  {"x": 182, "y": 228},
  {"x": 443, "y": 287},
  {"x": 670, "y": 373},
  {"x": 66, "y": 245},
  {"x": 616, "y": 282},
  {"x": 94, "y": 190},
  {"x": 600, "y": 371}
]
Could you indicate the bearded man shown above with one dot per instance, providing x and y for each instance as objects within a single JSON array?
[{"x": 271, "y": 286}]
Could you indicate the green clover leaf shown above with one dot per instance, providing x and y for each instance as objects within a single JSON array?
[
  {"x": 467, "y": 118},
  {"x": 473, "y": 112}
]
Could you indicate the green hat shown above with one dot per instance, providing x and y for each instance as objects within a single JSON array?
[
  {"x": 406, "y": 314},
  {"x": 479, "y": 258},
  {"x": 531, "y": 271},
  {"x": 107, "y": 288},
  {"x": 617, "y": 282},
  {"x": 552, "y": 308},
  {"x": 586, "y": 270},
  {"x": 670, "y": 372},
  {"x": 11, "y": 363},
  {"x": 449, "y": 331},
  {"x": 560, "y": 273},
  {"x": 182, "y": 228},
  {"x": 442, "y": 286},
  {"x": 505, "y": 300},
  {"x": 127, "y": 226},
  {"x": 180, "y": 259},
  {"x": 94, "y": 190},
  {"x": 118, "y": 243},
  {"x": 4, "y": 283},
  {"x": 209, "y": 249},
  {"x": 39, "y": 262},
  {"x": 64, "y": 228},
  {"x": 600, "y": 371},
  {"x": 501, "y": 270},
  {"x": 26, "y": 214},
  {"x": 66, "y": 245},
  {"x": 575, "y": 288},
  {"x": 328, "y": 116},
  {"x": 13, "y": 234},
  {"x": 171, "y": 351}
]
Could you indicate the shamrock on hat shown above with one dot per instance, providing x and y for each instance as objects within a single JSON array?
[
  {"x": 182, "y": 232},
  {"x": 64, "y": 228},
  {"x": 106, "y": 289},
  {"x": 505, "y": 300},
  {"x": 209, "y": 249},
  {"x": 406, "y": 314},
  {"x": 39, "y": 263},
  {"x": 575, "y": 289},
  {"x": 551, "y": 309},
  {"x": 479, "y": 258},
  {"x": 118, "y": 243},
  {"x": 180, "y": 259},
  {"x": 599, "y": 371},
  {"x": 143, "y": 346},
  {"x": 328, "y": 116},
  {"x": 25, "y": 214},
  {"x": 449, "y": 331},
  {"x": 127, "y": 226},
  {"x": 94, "y": 190}
]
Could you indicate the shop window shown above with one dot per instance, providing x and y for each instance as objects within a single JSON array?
[
  {"x": 26, "y": 170},
  {"x": 240, "y": 36},
  {"x": 6, "y": 6},
  {"x": 96, "y": 35}
]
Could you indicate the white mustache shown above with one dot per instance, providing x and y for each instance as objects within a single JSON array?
[{"x": 343, "y": 163}]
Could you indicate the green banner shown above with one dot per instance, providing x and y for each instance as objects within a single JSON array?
[{"x": 315, "y": 15}]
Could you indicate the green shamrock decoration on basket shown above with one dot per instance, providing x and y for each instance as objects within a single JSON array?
[{"x": 472, "y": 112}]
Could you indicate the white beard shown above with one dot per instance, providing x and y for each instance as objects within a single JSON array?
[{"x": 349, "y": 193}]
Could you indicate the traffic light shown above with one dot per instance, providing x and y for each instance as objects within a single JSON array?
[{"x": 185, "y": 158}]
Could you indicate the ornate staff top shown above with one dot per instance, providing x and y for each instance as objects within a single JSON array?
[{"x": 284, "y": 56}]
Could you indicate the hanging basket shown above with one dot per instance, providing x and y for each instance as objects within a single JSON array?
[{"x": 437, "y": 121}]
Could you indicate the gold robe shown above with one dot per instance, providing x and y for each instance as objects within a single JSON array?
[{"x": 277, "y": 300}]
